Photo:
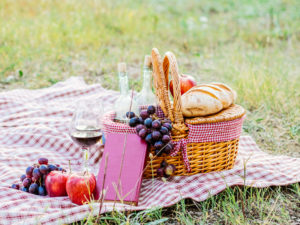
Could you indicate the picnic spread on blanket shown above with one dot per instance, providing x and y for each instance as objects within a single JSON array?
[{"x": 66, "y": 155}]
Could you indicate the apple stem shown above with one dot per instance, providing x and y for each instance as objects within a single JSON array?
[{"x": 70, "y": 169}]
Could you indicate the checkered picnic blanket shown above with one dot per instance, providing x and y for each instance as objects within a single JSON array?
[{"x": 34, "y": 123}]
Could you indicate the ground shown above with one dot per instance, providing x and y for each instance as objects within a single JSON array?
[{"x": 251, "y": 45}]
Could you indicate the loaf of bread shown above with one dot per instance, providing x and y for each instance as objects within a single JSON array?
[{"x": 207, "y": 99}]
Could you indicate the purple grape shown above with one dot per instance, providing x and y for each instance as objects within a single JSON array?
[
  {"x": 164, "y": 130},
  {"x": 130, "y": 115},
  {"x": 141, "y": 121},
  {"x": 156, "y": 124},
  {"x": 143, "y": 133},
  {"x": 44, "y": 180},
  {"x": 139, "y": 127},
  {"x": 133, "y": 121},
  {"x": 169, "y": 170},
  {"x": 166, "y": 138},
  {"x": 168, "y": 148},
  {"x": 24, "y": 189},
  {"x": 168, "y": 125},
  {"x": 34, "y": 180},
  {"x": 61, "y": 169},
  {"x": 148, "y": 122},
  {"x": 15, "y": 186},
  {"x": 149, "y": 138},
  {"x": 160, "y": 172},
  {"x": 163, "y": 164},
  {"x": 26, "y": 182},
  {"x": 57, "y": 165},
  {"x": 29, "y": 171},
  {"x": 36, "y": 173},
  {"x": 144, "y": 114},
  {"x": 33, "y": 188},
  {"x": 156, "y": 135},
  {"x": 167, "y": 121},
  {"x": 158, "y": 152},
  {"x": 151, "y": 109},
  {"x": 43, "y": 161},
  {"x": 43, "y": 169},
  {"x": 158, "y": 144},
  {"x": 52, "y": 167},
  {"x": 42, "y": 191},
  {"x": 22, "y": 177}
]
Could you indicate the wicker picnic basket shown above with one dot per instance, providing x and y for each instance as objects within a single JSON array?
[{"x": 202, "y": 144}]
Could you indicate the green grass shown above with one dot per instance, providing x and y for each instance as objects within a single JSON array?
[{"x": 251, "y": 45}]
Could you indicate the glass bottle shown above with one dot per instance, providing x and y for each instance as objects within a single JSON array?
[
  {"x": 146, "y": 96},
  {"x": 125, "y": 100}
]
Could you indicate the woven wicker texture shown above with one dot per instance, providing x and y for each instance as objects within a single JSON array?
[
  {"x": 203, "y": 157},
  {"x": 231, "y": 113}
]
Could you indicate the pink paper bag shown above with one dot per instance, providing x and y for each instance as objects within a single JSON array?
[{"x": 131, "y": 173}]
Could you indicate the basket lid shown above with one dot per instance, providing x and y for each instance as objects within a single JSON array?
[{"x": 231, "y": 113}]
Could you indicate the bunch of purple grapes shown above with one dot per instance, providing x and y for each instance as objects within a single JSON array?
[
  {"x": 155, "y": 131},
  {"x": 33, "y": 181}
]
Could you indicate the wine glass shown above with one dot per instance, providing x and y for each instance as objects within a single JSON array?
[{"x": 85, "y": 127}]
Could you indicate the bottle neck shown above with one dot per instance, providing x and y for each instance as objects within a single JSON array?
[
  {"x": 123, "y": 83},
  {"x": 146, "y": 78}
]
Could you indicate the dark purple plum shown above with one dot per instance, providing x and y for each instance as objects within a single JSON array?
[
  {"x": 144, "y": 114},
  {"x": 158, "y": 144},
  {"x": 42, "y": 191},
  {"x": 166, "y": 138},
  {"x": 15, "y": 186},
  {"x": 143, "y": 133},
  {"x": 156, "y": 135},
  {"x": 22, "y": 177},
  {"x": 148, "y": 122},
  {"x": 26, "y": 182},
  {"x": 43, "y": 161},
  {"x": 164, "y": 130},
  {"x": 33, "y": 188},
  {"x": 160, "y": 172},
  {"x": 43, "y": 169},
  {"x": 151, "y": 109},
  {"x": 156, "y": 124},
  {"x": 29, "y": 170},
  {"x": 149, "y": 138},
  {"x": 139, "y": 127},
  {"x": 130, "y": 115}
]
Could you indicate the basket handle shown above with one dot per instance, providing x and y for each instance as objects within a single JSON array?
[
  {"x": 170, "y": 64},
  {"x": 160, "y": 84}
]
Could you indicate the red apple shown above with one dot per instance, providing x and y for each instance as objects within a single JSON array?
[
  {"x": 186, "y": 83},
  {"x": 56, "y": 183},
  {"x": 80, "y": 187}
]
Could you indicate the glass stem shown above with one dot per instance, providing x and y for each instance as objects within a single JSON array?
[{"x": 85, "y": 159}]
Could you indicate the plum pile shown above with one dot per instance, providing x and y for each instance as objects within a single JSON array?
[
  {"x": 155, "y": 131},
  {"x": 33, "y": 181},
  {"x": 165, "y": 170}
]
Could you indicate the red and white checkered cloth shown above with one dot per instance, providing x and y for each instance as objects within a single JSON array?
[{"x": 34, "y": 123}]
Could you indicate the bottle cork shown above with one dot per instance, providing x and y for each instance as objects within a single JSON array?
[
  {"x": 147, "y": 61},
  {"x": 122, "y": 67}
]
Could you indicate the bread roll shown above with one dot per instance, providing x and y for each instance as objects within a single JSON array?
[{"x": 207, "y": 99}]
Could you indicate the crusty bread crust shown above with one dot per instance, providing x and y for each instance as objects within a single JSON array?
[{"x": 207, "y": 99}]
